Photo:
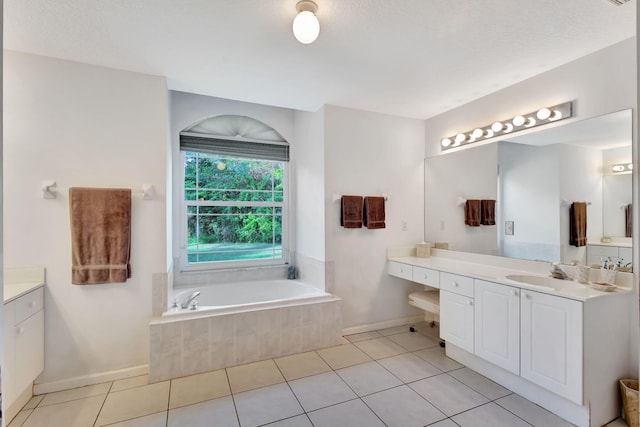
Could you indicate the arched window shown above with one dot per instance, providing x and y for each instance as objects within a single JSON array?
[{"x": 235, "y": 200}]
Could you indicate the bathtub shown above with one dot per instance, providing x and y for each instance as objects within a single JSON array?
[
  {"x": 238, "y": 323},
  {"x": 241, "y": 296}
]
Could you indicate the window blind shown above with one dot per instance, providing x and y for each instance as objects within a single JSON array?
[{"x": 235, "y": 148}]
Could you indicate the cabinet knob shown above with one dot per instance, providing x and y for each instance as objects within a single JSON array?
[
  {"x": 455, "y": 284},
  {"x": 20, "y": 330},
  {"x": 425, "y": 276},
  {"x": 527, "y": 296},
  {"x": 469, "y": 302},
  {"x": 514, "y": 293},
  {"x": 32, "y": 304}
]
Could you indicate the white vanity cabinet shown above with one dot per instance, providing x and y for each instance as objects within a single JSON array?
[
  {"x": 456, "y": 310},
  {"x": 497, "y": 324},
  {"x": 23, "y": 347},
  {"x": 551, "y": 347}
]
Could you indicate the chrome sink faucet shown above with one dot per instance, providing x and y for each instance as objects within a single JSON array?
[
  {"x": 191, "y": 298},
  {"x": 557, "y": 273}
]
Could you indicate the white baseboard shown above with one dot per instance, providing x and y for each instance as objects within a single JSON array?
[
  {"x": 91, "y": 379},
  {"x": 382, "y": 325}
]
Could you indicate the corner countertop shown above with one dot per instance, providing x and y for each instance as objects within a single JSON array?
[
  {"x": 21, "y": 281},
  {"x": 485, "y": 271}
]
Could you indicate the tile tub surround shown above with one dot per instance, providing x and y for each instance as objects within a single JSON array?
[{"x": 180, "y": 346}]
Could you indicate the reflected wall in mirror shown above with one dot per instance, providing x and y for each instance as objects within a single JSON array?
[{"x": 535, "y": 178}]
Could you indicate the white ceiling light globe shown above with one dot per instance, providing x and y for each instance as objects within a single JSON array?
[{"x": 306, "y": 27}]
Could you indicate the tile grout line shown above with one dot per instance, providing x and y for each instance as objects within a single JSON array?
[
  {"x": 233, "y": 399},
  {"x": 102, "y": 405}
]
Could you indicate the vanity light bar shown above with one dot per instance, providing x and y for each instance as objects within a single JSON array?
[
  {"x": 621, "y": 168},
  {"x": 520, "y": 122}
]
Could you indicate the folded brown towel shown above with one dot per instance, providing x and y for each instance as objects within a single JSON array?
[
  {"x": 100, "y": 235},
  {"x": 578, "y": 224},
  {"x": 488, "y": 212},
  {"x": 351, "y": 211},
  {"x": 628, "y": 217},
  {"x": 374, "y": 212},
  {"x": 472, "y": 213}
]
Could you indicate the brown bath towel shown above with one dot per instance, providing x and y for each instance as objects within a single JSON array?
[
  {"x": 100, "y": 235},
  {"x": 578, "y": 224},
  {"x": 472, "y": 213},
  {"x": 628, "y": 218},
  {"x": 488, "y": 212},
  {"x": 374, "y": 212},
  {"x": 351, "y": 211}
]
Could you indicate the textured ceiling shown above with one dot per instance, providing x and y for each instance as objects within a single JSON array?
[{"x": 413, "y": 58}]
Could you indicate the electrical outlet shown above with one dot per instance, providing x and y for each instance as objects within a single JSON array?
[
  {"x": 441, "y": 225},
  {"x": 508, "y": 228},
  {"x": 404, "y": 225}
]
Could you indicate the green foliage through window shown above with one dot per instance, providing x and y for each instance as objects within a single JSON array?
[{"x": 234, "y": 208}]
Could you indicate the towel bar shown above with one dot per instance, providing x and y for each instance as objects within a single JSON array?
[
  {"x": 338, "y": 197},
  {"x": 49, "y": 190}
]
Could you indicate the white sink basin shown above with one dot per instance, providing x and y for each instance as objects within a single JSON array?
[{"x": 546, "y": 282}]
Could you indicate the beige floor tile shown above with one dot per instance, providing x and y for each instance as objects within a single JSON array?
[
  {"x": 75, "y": 413},
  {"x": 254, "y": 375},
  {"x": 19, "y": 419},
  {"x": 379, "y": 348},
  {"x": 154, "y": 420},
  {"x": 363, "y": 336},
  {"x": 301, "y": 365},
  {"x": 75, "y": 393},
  {"x": 198, "y": 388},
  {"x": 130, "y": 383},
  {"x": 33, "y": 402},
  {"x": 134, "y": 402},
  {"x": 412, "y": 341},
  {"x": 438, "y": 357},
  {"x": 343, "y": 356},
  {"x": 395, "y": 330}
]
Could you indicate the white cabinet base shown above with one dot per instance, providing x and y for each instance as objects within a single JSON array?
[{"x": 572, "y": 412}]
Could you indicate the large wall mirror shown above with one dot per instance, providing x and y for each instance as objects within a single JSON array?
[{"x": 535, "y": 178}]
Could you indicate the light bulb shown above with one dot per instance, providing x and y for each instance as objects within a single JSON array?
[
  {"x": 477, "y": 133},
  {"x": 617, "y": 168},
  {"x": 630, "y": 166},
  {"x": 508, "y": 128},
  {"x": 488, "y": 133},
  {"x": 306, "y": 27},
  {"x": 460, "y": 138},
  {"x": 531, "y": 122},
  {"x": 557, "y": 115},
  {"x": 518, "y": 120},
  {"x": 497, "y": 126},
  {"x": 543, "y": 113},
  {"x": 445, "y": 142}
]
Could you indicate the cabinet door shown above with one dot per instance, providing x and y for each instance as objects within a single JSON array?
[
  {"x": 456, "y": 319},
  {"x": 9, "y": 392},
  {"x": 497, "y": 324},
  {"x": 551, "y": 343},
  {"x": 29, "y": 349}
]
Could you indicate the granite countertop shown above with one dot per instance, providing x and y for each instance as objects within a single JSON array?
[
  {"x": 567, "y": 288},
  {"x": 21, "y": 281}
]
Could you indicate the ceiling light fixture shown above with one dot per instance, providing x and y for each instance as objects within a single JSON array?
[
  {"x": 306, "y": 26},
  {"x": 622, "y": 168},
  {"x": 517, "y": 123}
]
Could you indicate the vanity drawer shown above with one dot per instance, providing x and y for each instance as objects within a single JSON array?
[
  {"x": 426, "y": 276},
  {"x": 29, "y": 304},
  {"x": 461, "y": 285},
  {"x": 404, "y": 271}
]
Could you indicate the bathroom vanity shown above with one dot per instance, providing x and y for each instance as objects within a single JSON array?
[
  {"x": 23, "y": 336},
  {"x": 560, "y": 344}
]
